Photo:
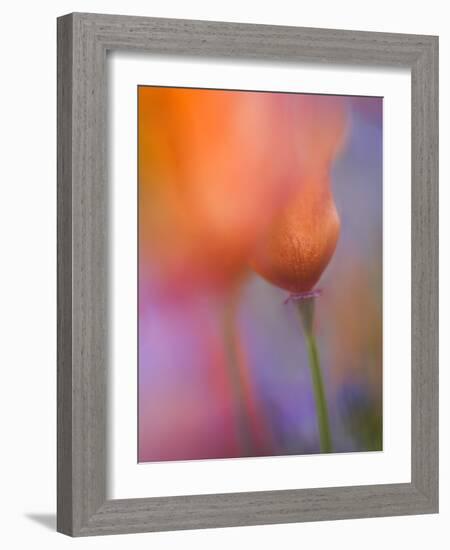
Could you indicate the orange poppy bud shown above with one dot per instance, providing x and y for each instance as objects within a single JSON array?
[
  {"x": 302, "y": 237},
  {"x": 300, "y": 241}
]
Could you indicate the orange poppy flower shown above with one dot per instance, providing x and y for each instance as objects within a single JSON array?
[{"x": 215, "y": 170}]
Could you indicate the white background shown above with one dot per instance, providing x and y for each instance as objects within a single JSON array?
[
  {"x": 131, "y": 480},
  {"x": 28, "y": 274}
]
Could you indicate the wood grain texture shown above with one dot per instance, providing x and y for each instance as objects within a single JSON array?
[
  {"x": 83, "y": 40},
  {"x": 424, "y": 276},
  {"x": 64, "y": 274}
]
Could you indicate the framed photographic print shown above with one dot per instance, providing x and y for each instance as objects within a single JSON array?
[{"x": 247, "y": 274}]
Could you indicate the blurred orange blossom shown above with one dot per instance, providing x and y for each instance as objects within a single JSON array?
[{"x": 225, "y": 176}]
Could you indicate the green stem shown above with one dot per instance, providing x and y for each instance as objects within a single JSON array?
[{"x": 306, "y": 309}]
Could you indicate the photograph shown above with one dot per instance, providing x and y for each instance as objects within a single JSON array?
[{"x": 260, "y": 267}]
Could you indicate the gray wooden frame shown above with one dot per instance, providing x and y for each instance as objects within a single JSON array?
[{"x": 83, "y": 40}]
